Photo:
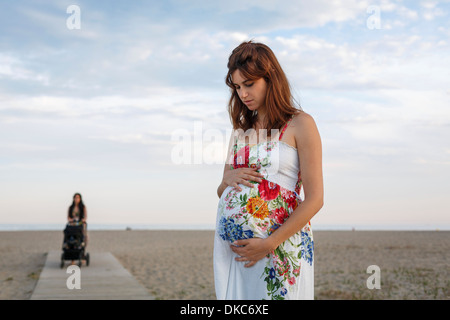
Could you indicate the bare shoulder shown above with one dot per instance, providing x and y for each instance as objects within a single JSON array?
[
  {"x": 305, "y": 128},
  {"x": 304, "y": 121}
]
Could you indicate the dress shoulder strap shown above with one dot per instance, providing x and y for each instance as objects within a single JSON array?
[{"x": 285, "y": 126}]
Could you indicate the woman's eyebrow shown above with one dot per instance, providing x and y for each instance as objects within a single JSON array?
[{"x": 236, "y": 84}]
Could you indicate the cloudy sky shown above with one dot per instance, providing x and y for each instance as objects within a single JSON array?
[{"x": 98, "y": 102}]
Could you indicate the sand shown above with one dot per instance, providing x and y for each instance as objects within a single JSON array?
[{"x": 178, "y": 264}]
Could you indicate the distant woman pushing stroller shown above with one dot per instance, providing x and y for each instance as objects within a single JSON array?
[
  {"x": 75, "y": 233},
  {"x": 78, "y": 214}
]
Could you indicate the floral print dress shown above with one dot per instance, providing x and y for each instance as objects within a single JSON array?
[{"x": 288, "y": 271}]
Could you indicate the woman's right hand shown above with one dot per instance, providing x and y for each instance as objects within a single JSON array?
[{"x": 241, "y": 176}]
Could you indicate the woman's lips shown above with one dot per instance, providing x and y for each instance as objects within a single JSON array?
[{"x": 248, "y": 101}]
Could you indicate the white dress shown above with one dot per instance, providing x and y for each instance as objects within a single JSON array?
[{"x": 287, "y": 272}]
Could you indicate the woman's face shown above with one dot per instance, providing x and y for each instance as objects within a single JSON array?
[
  {"x": 77, "y": 199},
  {"x": 251, "y": 92}
]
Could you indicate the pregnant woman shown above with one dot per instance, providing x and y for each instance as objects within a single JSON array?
[{"x": 263, "y": 247}]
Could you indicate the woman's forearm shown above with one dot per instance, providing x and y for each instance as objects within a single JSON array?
[
  {"x": 221, "y": 188},
  {"x": 296, "y": 221}
]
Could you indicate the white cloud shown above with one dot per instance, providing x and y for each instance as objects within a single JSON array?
[
  {"x": 430, "y": 10},
  {"x": 264, "y": 16},
  {"x": 390, "y": 62},
  {"x": 13, "y": 68},
  {"x": 53, "y": 21},
  {"x": 19, "y": 147}
]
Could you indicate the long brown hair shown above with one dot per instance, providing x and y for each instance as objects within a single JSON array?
[
  {"x": 255, "y": 61},
  {"x": 81, "y": 207}
]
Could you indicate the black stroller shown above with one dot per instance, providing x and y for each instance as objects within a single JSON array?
[{"x": 73, "y": 245}]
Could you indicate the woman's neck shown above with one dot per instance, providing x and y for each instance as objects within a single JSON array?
[{"x": 261, "y": 116}]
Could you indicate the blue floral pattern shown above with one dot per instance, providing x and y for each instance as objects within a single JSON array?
[{"x": 230, "y": 231}]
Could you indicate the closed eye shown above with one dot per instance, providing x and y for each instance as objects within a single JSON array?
[{"x": 247, "y": 85}]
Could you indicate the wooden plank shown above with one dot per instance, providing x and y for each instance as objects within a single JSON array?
[{"x": 104, "y": 279}]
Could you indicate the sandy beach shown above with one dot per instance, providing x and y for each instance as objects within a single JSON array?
[{"x": 178, "y": 264}]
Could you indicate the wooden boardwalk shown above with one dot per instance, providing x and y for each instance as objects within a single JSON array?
[{"x": 104, "y": 279}]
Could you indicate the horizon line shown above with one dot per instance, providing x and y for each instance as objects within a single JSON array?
[{"x": 211, "y": 227}]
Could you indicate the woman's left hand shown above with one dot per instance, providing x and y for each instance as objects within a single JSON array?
[{"x": 251, "y": 250}]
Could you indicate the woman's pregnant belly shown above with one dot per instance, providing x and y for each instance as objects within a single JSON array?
[{"x": 254, "y": 212}]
